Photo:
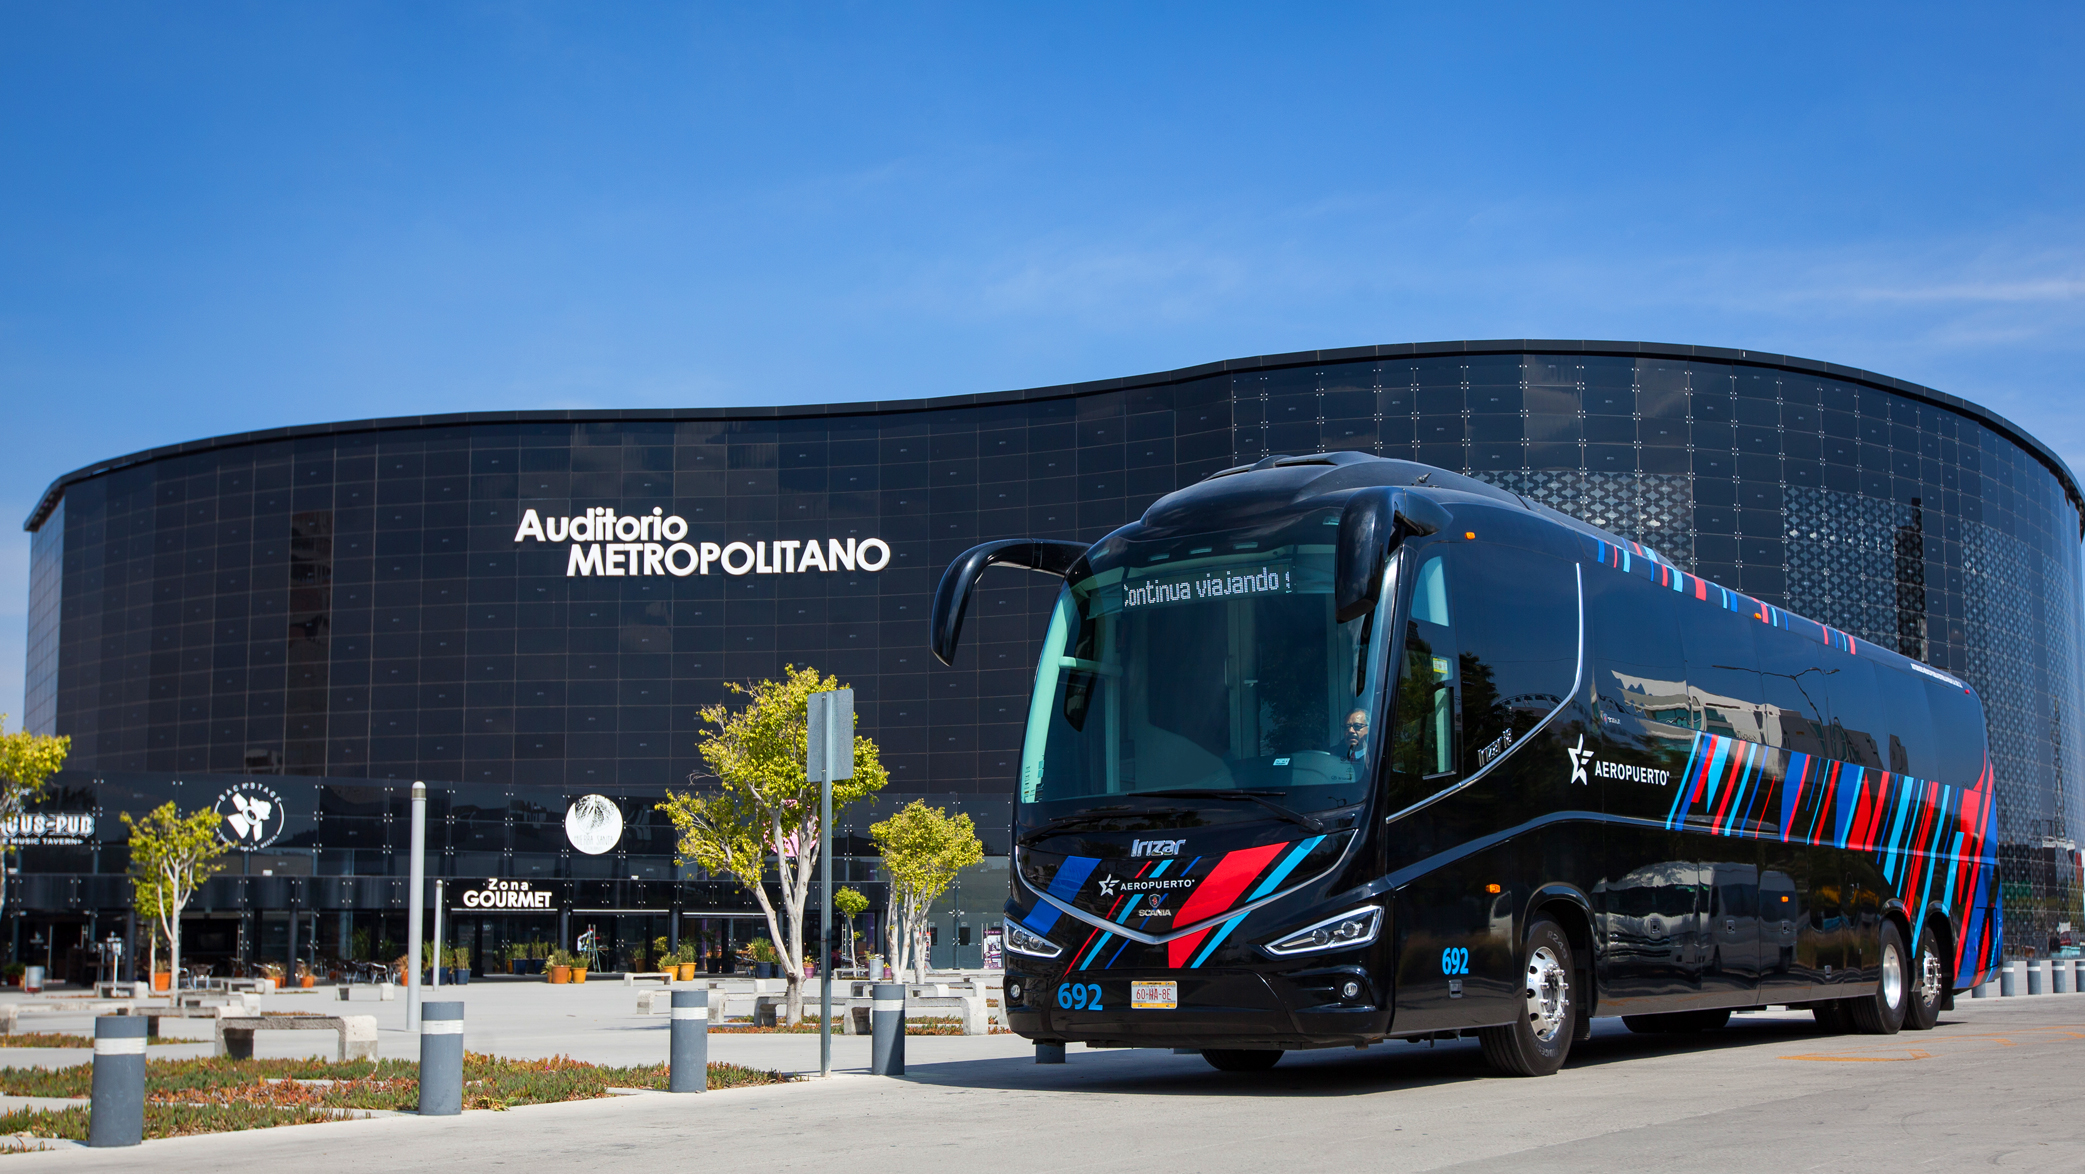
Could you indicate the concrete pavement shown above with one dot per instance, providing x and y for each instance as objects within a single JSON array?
[{"x": 1995, "y": 1085}]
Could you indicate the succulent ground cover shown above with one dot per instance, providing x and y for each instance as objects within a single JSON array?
[{"x": 218, "y": 1094}]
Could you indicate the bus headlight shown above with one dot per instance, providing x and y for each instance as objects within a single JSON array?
[
  {"x": 1355, "y": 927},
  {"x": 1021, "y": 941}
]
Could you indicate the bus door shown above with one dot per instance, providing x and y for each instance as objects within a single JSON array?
[{"x": 1490, "y": 647}]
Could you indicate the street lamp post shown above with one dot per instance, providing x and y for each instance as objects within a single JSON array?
[
  {"x": 828, "y": 755},
  {"x": 415, "y": 892}
]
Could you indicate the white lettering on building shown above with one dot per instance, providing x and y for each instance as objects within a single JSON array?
[{"x": 610, "y": 545}]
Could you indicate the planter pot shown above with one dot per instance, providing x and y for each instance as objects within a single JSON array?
[
  {"x": 460, "y": 975},
  {"x": 579, "y": 974},
  {"x": 308, "y": 981},
  {"x": 561, "y": 974},
  {"x": 687, "y": 971},
  {"x": 162, "y": 981},
  {"x": 763, "y": 970}
]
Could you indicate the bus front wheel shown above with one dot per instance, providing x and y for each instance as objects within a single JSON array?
[
  {"x": 1536, "y": 1043},
  {"x": 1882, "y": 1013},
  {"x": 1240, "y": 1060}
]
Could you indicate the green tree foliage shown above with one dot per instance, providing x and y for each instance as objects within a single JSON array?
[
  {"x": 762, "y": 807},
  {"x": 923, "y": 849},
  {"x": 171, "y": 855},
  {"x": 27, "y": 762},
  {"x": 850, "y": 903}
]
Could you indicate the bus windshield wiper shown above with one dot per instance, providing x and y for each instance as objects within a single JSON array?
[
  {"x": 1065, "y": 823},
  {"x": 1263, "y": 798}
]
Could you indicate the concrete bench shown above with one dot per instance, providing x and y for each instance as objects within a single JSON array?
[
  {"x": 357, "y": 1033},
  {"x": 367, "y": 992},
  {"x": 971, "y": 1010},
  {"x": 630, "y": 977}
]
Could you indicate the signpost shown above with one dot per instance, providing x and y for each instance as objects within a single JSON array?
[{"x": 828, "y": 755}]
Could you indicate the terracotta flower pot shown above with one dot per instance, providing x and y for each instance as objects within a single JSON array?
[
  {"x": 163, "y": 980},
  {"x": 579, "y": 974},
  {"x": 561, "y": 974},
  {"x": 687, "y": 971},
  {"x": 307, "y": 982}
]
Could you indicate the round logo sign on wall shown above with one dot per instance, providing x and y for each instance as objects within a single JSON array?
[
  {"x": 249, "y": 815},
  {"x": 594, "y": 824}
]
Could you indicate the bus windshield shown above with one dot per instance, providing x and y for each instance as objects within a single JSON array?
[{"x": 1206, "y": 673}]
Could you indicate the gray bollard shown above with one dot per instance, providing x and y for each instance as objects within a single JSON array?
[
  {"x": 1049, "y": 1053},
  {"x": 688, "y": 1069},
  {"x": 887, "y": 1023},
  {"x": 441, "y": 1059},
  {"x": 116, "y": 1116},
  {"x": 2038, "y": 977},
  {"x": 2009, "y": 983},
  {"x": 2060, "y": 977}
]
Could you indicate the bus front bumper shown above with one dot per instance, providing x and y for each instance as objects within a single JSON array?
[{"x": 1320, "y": 1007}]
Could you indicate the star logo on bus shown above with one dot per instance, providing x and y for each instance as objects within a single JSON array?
[
  {"x": 1107, "y": 886},
  {"x": 1580, "y": 759}
]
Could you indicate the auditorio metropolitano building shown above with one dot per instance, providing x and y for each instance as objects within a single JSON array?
[{"x": 525, "y": 609}]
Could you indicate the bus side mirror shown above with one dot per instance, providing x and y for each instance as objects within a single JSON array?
[
  {"x": 952, "y": 597},
  {"x": 1374, "y": 521}
]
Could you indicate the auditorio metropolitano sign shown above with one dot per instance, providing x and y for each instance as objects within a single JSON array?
[{"x": 604, "y": 542}]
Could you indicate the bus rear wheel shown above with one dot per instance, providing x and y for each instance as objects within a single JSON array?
[
  {"x": 1928, "y": 985},
  {"x": 1536, "y": 1043},
  {"x": 1882, "y": 1013},
  {"x": 1677, "y": 1021},
  {"x": 1241, "y": 1060}
]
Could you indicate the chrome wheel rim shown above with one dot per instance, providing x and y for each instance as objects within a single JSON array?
[
  {"x": 1892, "y": 977},
  {"x": 1548, "y": 994},
  {"x": 1929, "y": 976}
]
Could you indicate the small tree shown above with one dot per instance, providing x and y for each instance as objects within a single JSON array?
[
  {"x": 923, "y": 850},
  {"x": 27, "y": 762},
  {"x": 171, "y": 855},
  {"x": 763, "y": 806},
  {"x": 851, "y": 905}
]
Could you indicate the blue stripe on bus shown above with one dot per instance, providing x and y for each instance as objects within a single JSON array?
[
  {"x": 1215, "y": 940},
  {"x": 1287, "y": 865}
]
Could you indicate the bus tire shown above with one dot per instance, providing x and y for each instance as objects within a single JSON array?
[
  {"x": 1676, "y": 1021},
  {"x": 1240, "y": 1059},
  {"x": 1539, "y": 1038},
  {"x": 1928, "y": 983},
  {"x": 1882, "y": 1013}
]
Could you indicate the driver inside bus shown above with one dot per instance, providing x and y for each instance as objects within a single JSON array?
[{"x": 1354, "y": 745}]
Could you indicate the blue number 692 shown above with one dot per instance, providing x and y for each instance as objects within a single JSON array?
[
  {"x": 1079, "y": 996},
  {"x": 1455, "y": 960}
]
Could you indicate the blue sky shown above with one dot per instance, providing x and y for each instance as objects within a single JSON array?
[{"x": 229, "y": 216}]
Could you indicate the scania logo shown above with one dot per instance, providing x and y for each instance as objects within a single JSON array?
[{"x": 1156, "y": 847}]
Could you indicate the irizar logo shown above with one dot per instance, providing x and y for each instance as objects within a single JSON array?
[
  {"x": 1580, "y": 758},
  {"x": 1156, "y": 847}
]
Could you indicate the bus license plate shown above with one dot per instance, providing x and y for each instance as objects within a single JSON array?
[{"x": 1154, "y": 996}]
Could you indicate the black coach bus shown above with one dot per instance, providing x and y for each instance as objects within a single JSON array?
[{"x": 1334, "y": 749}]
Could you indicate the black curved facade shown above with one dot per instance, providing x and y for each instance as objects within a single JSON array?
[{"x": 335, "y": 610}]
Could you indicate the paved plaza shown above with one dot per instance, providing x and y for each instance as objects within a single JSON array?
[{"x": 1996, "y": 1085}]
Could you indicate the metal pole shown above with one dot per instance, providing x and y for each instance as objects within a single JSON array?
[
  {"x": 416, "y": 889},
  {"x": 438, "y": 951},
  {"x": 828, "y": 755},
  {"x": 116, "y": 1114}
]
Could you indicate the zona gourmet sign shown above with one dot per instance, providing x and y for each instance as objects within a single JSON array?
[
  {"x": 606, "y": 543},
  {"x": 506, "y": 894}
]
